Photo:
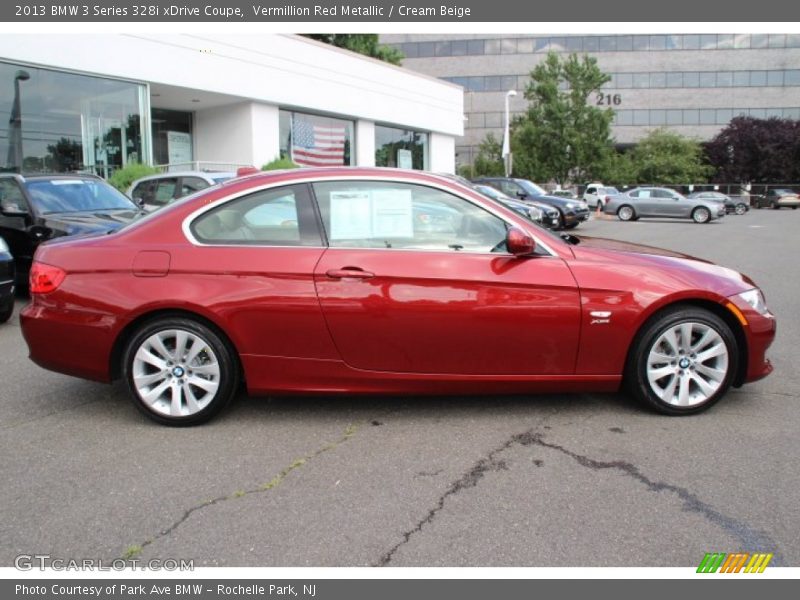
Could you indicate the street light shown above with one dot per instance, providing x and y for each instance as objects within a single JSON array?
[
  {"x": 506, "y": 138},
  {"x": 14, "y": 158}
]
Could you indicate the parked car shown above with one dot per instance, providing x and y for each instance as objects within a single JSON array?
[
  {"x": 732, "y": 206},
  {"x": 37, "y": 208},
  {"x": 662, "y": 202},
  {"x": 154, "y": 191},
  {"x": 355, "y": 298},
  {"x": 778, "y": 199},
  {"x": 7, "y": 284},
  {"x": 597, "y": 193},
  {"x": 542, "y": 214},
  {"x": 571, "y": 212},
  {"x": 564, "y": 194}
]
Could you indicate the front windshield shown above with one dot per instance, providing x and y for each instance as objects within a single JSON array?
[
  {"x": 491, "y": 192},
  {"x": 76, "y": 195},
  {"x": 531, "y": 187}
]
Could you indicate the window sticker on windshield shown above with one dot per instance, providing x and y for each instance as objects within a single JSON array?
[{"x": 67, "y": 182}]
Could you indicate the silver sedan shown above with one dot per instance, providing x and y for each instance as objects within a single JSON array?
[{"x": 662, "y": 202}]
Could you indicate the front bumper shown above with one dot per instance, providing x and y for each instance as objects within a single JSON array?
[
  {"x": 759, "y": 333},
  {"x": 579, "y": 215}
]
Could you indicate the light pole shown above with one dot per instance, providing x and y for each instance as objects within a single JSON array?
[
  {"x": 14, "y": 158},
  {"x": 506, "y": 138}
]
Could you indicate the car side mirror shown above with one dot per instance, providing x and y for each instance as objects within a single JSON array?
[
  {"x": 12, "y": 209},
  {"x": 519, "y": 243},
  {"x": 522, "y": 195}
]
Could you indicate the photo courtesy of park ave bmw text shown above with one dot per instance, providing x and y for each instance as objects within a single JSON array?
[{"x": 327, "y": 300}]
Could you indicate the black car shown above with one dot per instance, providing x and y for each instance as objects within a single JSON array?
[
  {"x": 7, "y": 271},
  {"x": 542, "y": 214},
  {"x": 571, "y": 212},
  {"x": 36, "y": 208},
  {"x": 732, "y": 206}
]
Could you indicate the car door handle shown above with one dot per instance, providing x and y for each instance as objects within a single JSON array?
[{"x": 349, "y": 273}]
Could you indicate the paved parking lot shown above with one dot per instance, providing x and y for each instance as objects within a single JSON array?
[{"x": 577, "y": 480}]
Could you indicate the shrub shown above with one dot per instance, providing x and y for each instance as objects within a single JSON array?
[
  {"x": 123, "y": 178},
  {"x": 279, "y": 163}
]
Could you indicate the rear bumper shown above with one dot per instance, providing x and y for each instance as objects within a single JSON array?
[
  {"x": 50, "y": 331},
  {"x": 788, "y": 203}
]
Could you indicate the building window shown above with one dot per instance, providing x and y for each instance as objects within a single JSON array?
[
  {"x": 316, "y": 141},
  {"x": 400, "y": 148},
  {"x": 66, "y": 122},
  {"x": 172, "y": 136}
]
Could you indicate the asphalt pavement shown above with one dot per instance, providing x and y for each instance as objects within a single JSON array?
[{"x": 570, "y": 480}]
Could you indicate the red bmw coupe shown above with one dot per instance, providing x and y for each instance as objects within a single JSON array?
[{"x": 355, "y": 280}]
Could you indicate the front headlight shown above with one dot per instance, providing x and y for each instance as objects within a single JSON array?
[
  {"x": 756, "y": 300},
  {"x": 3, "y": 246},
  {"x": 571, "y": 206},
  {"x": 535, "y": 214}
]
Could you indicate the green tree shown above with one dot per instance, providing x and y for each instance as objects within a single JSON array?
[
  {"x": 562, "y": 135},
  {"x": 664, "y": 158},
  {"x": 363, "y": 43},
  {"x": 489, "y": 161}
]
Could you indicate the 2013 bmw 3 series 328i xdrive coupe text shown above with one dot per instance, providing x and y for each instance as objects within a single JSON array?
[{"x": 356, "y": 280}]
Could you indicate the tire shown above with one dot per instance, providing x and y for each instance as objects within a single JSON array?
[
  {"x": 740, "y": 209},
  {"x": 688, "y": 385},
  {"x": 202, "y": 395},
  {"x": 573, "y": 226},
  {"x": 7, "y": 311},
  {"x": 794, "y": 208},
  {"x": 625, "y": 213},
  {"x": 600, "y": 204},
  {"x": 701, "y": 215},
  {"x": 775, "y": 206}
]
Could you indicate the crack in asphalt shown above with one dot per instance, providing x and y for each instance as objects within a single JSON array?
[
  {"x": 468, "y": 480},
  {"x": 751, "y": 539},
  {"x": 349, "y": 432}
]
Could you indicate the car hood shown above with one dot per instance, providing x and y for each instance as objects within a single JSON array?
[
  {"x": 703, "y": 273},
  {"x": 88, "y": 222}
]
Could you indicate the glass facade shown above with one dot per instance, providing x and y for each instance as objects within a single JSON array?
[
  {"x": 60, "y": 121},
  {"x": 316, "y": 141},
  {"x": 172, "y": 136},
  {"x": 594, "y": 43},
  {"x": 401, "y": 148},
  {"x": 653, "y": 80}
]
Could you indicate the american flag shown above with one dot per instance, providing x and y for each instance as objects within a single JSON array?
[{"x": 317, "y": 146}]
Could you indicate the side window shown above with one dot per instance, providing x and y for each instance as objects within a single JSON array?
[
  {"x": 509, "y": 188},
  {"x": 143, "y": 191},
  {"x": 11, "y": 194},
  {"x": 635, "y": 194},
  {"x": 276, "y": 217},
  {"x": 591, "y": 190},
  {"x": 190, "y": 185},
  {"x": 405, "y": 216},
  {"x": 644, "y": 194},
  {"x": 662, "y": 194},
  {"x": 165, "y": 190}
]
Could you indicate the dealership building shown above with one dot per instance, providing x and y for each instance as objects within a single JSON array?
[
  {"x": 215, "y": 102},
  {"x": 693, "y": 84}
]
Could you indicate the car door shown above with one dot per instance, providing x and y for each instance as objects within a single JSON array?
[
  {"x": 15, "y": 222},
  {"x": 416, "y": 280},
  {"x": 668, "y": 203},
  {"x": 646, "y": 204},
  {"x": 591, "y": 195}
]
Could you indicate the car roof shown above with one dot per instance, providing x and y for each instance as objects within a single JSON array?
[
  {"x": 44, "y": 176},
  {"x": 201, "y": 174}
]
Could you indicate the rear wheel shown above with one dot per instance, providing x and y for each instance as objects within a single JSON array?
[
  {"x": 740, "y": 209},
  {"x": 625, "y": 213},
  {"x": 701, "y": 215},
  {"x": 179, "y": 371},
  {"x": 683, "y": 361}
]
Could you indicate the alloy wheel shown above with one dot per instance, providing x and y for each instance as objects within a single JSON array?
[{"x": 687, "y": 364}]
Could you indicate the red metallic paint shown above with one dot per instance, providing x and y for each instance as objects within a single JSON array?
[{"x": 308, "y": 319}]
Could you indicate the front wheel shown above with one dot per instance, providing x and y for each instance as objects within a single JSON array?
[
  {"x": 740, "y": 209},
  {"x": 179, "y": 371},
  {"x": 625, "y": 213},
  {"x": 683, "y": 361},
  {"x": 701, "y": 215}
]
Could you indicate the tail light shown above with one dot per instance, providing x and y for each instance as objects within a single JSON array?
[
  {"x": 45, "y": 278},
  {"x": 243, "y": 171}
]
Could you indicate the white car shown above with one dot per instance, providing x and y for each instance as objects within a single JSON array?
[
  {"x": 154, "y": 191},
  {"x": 597, "y": 193}
]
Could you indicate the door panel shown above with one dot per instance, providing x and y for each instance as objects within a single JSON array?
[{"x": 431, "y": 312}]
